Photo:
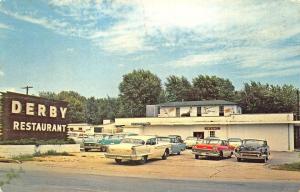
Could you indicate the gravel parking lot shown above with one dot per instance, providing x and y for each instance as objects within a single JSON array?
[{"x": 183, "y": 166}]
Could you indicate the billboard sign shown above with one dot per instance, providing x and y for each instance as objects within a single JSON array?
[{"x": 24, "y": 116}]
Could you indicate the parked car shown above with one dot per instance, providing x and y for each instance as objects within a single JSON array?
[
  {"x": 176, "y": 146},
  {"x": 253, "y": 149},
  {"x": 212, "y": 147},
  {"x": 178, "y": 137},
  {"x": 234, "y": 142},
  {"x": 113, "y": 140},
  {"x": 138, "y": 149},
  {"x": 191, "y": 141},
  {"x": 94, "y": 142}
]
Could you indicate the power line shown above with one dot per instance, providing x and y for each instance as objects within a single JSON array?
[{"x": 27, "y": 88}]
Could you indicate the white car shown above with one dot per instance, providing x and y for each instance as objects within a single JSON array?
[
  {"x": 191, "y": 141},
  {"x": 138, "y": 149}
]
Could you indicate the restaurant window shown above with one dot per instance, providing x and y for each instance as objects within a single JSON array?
[
  {"x": 212, "y": 134},
  {"x": 198, "y": 111},
  {"x": 221, "y": 111}
]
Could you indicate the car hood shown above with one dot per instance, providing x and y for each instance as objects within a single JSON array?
[{"x": 250, "y": 148}]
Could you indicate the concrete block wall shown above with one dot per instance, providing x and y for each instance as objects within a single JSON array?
[{"x": 9, "y": 151}]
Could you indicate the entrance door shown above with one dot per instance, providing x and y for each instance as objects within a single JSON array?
[
  {"x": 297, "y": 137},
  {"x": 199, "y": 135}
]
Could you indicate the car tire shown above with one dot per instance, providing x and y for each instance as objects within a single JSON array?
[
  {"x": 221, "y": 155},
  {"x": 178, "y": 153},
  {"x": 165, "y": 155},
  {"x": 118, "y": 161},
  {"x": 238, "y": 159},
  {"x": 196, "y": 156},
  {"x": 143, "y": 160},
  {"x": 86, "y": 150}
]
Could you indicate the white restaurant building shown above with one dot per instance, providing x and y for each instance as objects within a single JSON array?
[{"x": 216, "y": 118}]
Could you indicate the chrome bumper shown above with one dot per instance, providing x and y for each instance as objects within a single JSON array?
[
  {"x": 250, "y": 156},
  {"x": 206, "y": 153},
  {"x": 123, "y": 157}
]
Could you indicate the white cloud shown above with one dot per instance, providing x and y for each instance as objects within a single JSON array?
[{"x": 4, "y": 26}]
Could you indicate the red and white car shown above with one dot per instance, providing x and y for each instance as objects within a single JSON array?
[{"x": 213, "y": 147}]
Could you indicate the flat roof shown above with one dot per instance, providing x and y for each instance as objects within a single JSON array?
[{"x": 196, "y": 103}]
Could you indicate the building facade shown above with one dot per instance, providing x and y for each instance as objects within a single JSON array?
[{"x": 280, "y": 130}]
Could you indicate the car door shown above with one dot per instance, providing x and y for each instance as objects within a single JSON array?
[{"x": 225, "y": 147}]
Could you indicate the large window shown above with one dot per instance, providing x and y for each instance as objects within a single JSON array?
[
  {"x": 198, "y": 111},
  {"x": 212, "y": 134},
  {"x": 221, "y": 111}
]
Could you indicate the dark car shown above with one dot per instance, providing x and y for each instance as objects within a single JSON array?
[{"x": 253, "y": 149}]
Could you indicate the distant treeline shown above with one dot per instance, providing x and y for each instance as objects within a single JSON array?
[{"x": 141, "y": 87}]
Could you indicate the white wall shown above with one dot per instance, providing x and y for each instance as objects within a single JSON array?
[
  {"x": 277, "y": 136},
  {"x": 8, "y": 151}
]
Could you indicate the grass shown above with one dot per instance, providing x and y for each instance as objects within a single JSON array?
[
  {"x": 39, "y": 154},
  {"x": 290, "y": 166}
]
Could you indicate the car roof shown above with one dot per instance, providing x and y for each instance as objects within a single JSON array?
[{"x": 254, "y": 139}]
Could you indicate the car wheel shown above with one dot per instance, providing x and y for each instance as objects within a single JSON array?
[
  {"x": 143, "y": 160},
  {"x": 165, "y": 155},
  {"x": 118, "y": 161},
  {"x": 221, "y": 155},
  {"x": 238, "y": 159},
  {"x": 264, "y": 160},
  {"x": 86, "y": 150},
  {"x": 196, "y": 156},
  {"x": 178, "y": 153}
]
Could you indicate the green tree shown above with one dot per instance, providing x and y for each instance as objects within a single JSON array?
[
  {"x": 212, "y": 87},
  {"x": 264, "y": 98},
  {"x": 178, "y": 88},
  {"x": 138, "y": 89},
  {"x": 76, "y": 106},
  {"x": 92, "y": 114}
]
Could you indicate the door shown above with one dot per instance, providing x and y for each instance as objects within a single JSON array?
[
  {"x": 297, "y": 137},
  {"x": 199, "y": 135}
]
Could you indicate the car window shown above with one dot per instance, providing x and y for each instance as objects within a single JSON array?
[{"x": 151, "y": 141}]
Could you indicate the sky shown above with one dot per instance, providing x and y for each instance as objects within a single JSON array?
[{"x": 87, "y": 46}]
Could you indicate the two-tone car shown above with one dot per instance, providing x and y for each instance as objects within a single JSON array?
[
  {"x": 113, "y": 140},
  {"x": 138, "y": 149},
  {"x": 253, "y": 149},
  {"x": 212, "y": 147},
  {"x": 192, "y": 141},
  {"x": 176, "y": 145},
  {"x": 94, "y": 143}
]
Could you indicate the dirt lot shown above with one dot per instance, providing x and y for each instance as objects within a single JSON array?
[{"x": 175, "y": 167}]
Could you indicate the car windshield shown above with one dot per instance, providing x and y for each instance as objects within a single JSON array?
[
  {"x": 235, "y": 142},
  {"x": 133, "y": 141},
  {"x": 254, "y": 142},
  {"x": 212, "y": 141},
  {"x": 163, "y": 139},
  {"x": 90, "y": 139}
]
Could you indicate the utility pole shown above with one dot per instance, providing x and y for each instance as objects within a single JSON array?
[
  {"x": 27, "y": 89},
  {"x": 298, "y": 105}
]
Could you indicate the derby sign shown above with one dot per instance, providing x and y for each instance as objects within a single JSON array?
[{"x": 26, "y": 116}]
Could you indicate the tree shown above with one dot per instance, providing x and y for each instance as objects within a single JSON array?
[
  {"x": 76, "y": 106},
  {"x": 212, "y": 87},
  {"x": 178, "y": 88},
  {"x": 92, "y": 111},
  {"x": 138, "y": 89},
  {"x": 265, "y": 98}
]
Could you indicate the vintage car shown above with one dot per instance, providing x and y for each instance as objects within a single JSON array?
[
  {"x": 113, "y": 140},
  {"x": 178, "y": 137},
  {"x": 94, "y": 142},
  {"x": 138, "y": 149},
  {"x": 234, "y": 142},
  {"x": 191, "y": 141},
  {"x": 176, "y": 146},
  {"x": 253, "y": 149},
  {"x": 212, "y": 147}
]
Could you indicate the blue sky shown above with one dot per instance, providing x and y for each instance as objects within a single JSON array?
[{"x": 86, "y": 46}]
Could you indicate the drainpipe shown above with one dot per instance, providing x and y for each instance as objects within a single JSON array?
[{"x": 289, "y": 144}]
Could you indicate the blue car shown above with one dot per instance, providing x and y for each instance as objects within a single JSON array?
[{"x": 176, "y": 145}]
